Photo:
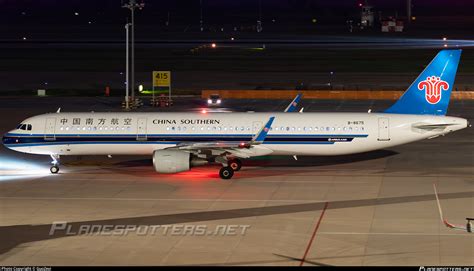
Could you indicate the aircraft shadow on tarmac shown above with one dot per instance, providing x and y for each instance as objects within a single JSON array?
[
  {"x": 289, "y": 161},
  {"x": 256, "y": 167},
  {"x": 15, "y": 235}
]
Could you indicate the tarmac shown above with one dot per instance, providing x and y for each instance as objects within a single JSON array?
[{"x": 374, "y": 208}]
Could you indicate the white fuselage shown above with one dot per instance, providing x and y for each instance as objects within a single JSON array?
[{"x": 290, "y": 134}]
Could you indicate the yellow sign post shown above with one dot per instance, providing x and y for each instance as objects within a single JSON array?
[{"x": 162, "y": 79}]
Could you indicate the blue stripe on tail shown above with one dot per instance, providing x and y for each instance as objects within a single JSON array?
[{"x": 431, "y": 91}]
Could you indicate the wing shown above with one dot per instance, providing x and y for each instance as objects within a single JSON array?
[
  {"x": 292, "y": 106},
  {"x": 244, "y": 149}
]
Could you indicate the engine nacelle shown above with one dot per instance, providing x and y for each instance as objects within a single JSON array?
[{"x": 173, "y": 161}]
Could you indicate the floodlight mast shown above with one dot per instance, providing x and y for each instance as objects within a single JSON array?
[
  {"x": 127, "y": 74},
  {"x": 132, "y": 5}
]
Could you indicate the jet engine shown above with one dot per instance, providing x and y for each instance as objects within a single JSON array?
[{"x": 173, "y": 161}]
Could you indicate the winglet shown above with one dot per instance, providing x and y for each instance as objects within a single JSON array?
[
  {"x": 262, "y": 134},
  {"x": 292, "y": 106}
]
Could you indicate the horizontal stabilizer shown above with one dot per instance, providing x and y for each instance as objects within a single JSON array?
[{"x": 432, "y": 126}]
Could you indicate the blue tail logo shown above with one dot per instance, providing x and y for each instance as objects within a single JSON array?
[{"x": 431, "y": 91}]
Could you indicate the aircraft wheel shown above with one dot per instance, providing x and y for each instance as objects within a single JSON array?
[
  {"x": 235, "y": 164},
  {"x": 226, "y": 173},
  {"x": 54, "y": 169}
]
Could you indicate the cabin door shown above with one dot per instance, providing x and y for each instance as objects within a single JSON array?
[
  {"x": 49, "y": 130},
  {"x": 384, "y": 129}
]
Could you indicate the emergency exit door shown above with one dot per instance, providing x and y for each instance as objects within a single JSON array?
[
  {"x": 141, "y": 129},
  {"x": 384, "y": 129},
  {"x": 257, "y": 125}
]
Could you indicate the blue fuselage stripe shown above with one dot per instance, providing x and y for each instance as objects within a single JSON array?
[{"x": 16, "y": 140}]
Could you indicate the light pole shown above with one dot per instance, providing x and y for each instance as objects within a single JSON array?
[
  {"x": 201, "y": 22},
  {"x": 259, "y": 21},
  {"x": 409, "y": 11},
  {"x": 132, "y": 5},
  {"x": 127, "y": 76}
]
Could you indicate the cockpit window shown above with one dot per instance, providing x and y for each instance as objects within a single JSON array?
[{"x": 25, "y": 127}]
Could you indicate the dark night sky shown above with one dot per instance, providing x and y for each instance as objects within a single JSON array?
[{"x": 36, "y": 10}]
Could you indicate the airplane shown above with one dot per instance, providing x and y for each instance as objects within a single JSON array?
[
  {"x": 179, "y": 141},
  {"x": 468, "y": 228}
]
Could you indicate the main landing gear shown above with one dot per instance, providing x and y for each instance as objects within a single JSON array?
[
  {"x": 227, "y": 171},
  {"x": 55, "y": 167},
  {"x": 235, "y": 164}
]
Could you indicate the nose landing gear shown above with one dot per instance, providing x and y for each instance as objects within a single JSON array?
[{"x": 55, "y": 167}]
